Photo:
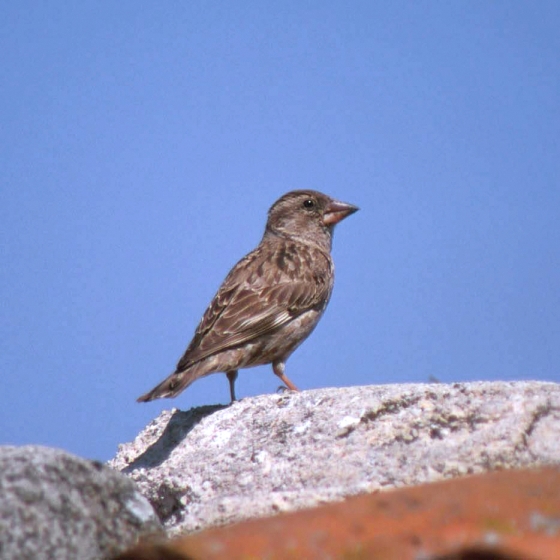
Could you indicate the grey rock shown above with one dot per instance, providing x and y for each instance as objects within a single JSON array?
[
  {"x": 215, "y": 465},
  {"x": 56, "y": 505}
]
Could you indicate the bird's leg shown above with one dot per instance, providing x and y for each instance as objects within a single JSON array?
[
  {"x": 278, "y": 369},
  {"x": 232, "y": 376}
]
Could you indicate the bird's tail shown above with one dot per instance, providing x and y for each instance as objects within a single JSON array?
[{"x": 172, "y": 385}]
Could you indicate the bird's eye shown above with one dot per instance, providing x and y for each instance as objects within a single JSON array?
[{"x": 309, "y": 203}]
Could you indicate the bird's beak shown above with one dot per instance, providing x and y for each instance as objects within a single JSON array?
[{"x": 336, "y": 211}]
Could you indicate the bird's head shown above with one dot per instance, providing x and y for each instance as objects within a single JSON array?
[{"x": 308, "y": 216}]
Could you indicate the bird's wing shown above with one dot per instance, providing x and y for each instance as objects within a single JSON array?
[{"x": 244, "y": 310}]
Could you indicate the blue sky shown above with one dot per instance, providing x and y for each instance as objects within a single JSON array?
[{"x": 143, "y": 142}]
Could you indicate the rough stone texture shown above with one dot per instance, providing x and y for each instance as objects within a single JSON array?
[
  {"x": 216, "y": 465},
  {"x": 56, "y": 505},
  {"x": 511, "y": 515}
]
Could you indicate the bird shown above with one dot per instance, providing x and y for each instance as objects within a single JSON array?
[{"x": 270, "y": 301}]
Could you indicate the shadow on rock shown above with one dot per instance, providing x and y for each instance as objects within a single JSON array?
[{"x": 178, "y": 427}]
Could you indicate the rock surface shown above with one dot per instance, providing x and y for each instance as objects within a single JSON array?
[
  {"x": 215, "y": 465},
  {"x": 506, "y": 515},
  {"x": 56, "y": 505}
]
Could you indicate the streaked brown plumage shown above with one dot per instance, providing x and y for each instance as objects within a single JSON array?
[{"x": 271, "y": 300}]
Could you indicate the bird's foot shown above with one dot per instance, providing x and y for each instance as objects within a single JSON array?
[{"x": 283, "y": 389}]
